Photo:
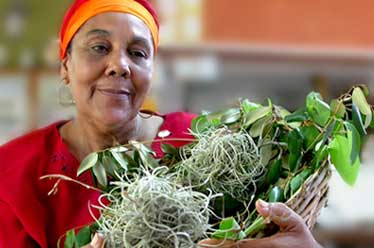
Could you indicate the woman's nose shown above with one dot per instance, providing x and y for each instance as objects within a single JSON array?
[{"x": 119, "y": 65}]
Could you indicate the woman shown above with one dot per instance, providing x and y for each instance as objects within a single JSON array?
[{"x": 107, "y": 50}]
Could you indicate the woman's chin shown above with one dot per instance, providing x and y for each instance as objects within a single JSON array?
[{"x": 114, "y": 119}]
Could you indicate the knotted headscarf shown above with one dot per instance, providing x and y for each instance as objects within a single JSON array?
[{"x": 82, "y": 10}]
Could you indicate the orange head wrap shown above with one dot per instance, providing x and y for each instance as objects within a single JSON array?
[{"x": 82, "y": 10}]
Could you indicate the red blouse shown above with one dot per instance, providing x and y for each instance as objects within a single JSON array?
[{"x": 31, "y": 218}]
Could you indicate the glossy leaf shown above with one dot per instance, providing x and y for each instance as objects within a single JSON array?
[
  {"x": 299, "y": 115},
  {"x": 256, "y": 114},
  {"x": 230, "y": 116},
  {"x": 248, "y": 106},
  {"x": 120, "y": 160},
  {"x": 329, "y": 130},
  {"x": 167, "y": 148},
  {"x": 359, "y": 99},
  {"x": 83, "y": 237},
  {"x": 299, "y": 179},
  {"x": 294, "y": 161},
  {"x": 229, "y": 229},
  {"x": 100, "y": 174},
  {"x": 148, "y": 159},
  {"x": 318, "y": 110},
  {"x": 108, "y": 163},
  {"x": 199, "y": 124},
  {"x": 265, "y": 152},
  {"x": 87, "y": 163},
  {"x": 295, "y": 141},
  {"x": 357, "y": 120},
  {"x": 276, "y": 194},
  {"x": 310, "y": 135},
  {"x": 337, "y": 108},
  {"x": 70, "y": 238},
  {"x": 320, "y": 156},
  {"x": 356, "y": 142},
  {"x": 295, "y": 145},
  {"x": 340, "y": 150},
  {"x": 257, "y": 128},
  {"x": 119, "y": 149},
  {"x": 274, "y": 172}
]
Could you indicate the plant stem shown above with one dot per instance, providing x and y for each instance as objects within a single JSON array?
[{"x": 256, "y": 226}]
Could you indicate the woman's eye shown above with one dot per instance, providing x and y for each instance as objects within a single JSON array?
[
  {"x": 137, "y": 53},
  {"x": 100, "y": 49}
]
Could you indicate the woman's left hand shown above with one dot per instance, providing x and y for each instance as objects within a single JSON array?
[
  {"x": 293, "y": 231},
  {"x": 98, "y": 241}
]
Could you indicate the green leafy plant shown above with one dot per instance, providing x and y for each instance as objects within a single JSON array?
[{"x": 245, "y": 153}]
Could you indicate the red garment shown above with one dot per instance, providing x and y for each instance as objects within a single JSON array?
[{"x": 31, "y": 218}]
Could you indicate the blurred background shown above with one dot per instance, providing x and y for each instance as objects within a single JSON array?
[{"x": 212, "y": 53}]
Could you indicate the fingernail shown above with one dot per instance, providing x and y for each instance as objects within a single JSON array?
[
  {"x": 96, "y": 241},
  {"x": 263, "y": 205}
]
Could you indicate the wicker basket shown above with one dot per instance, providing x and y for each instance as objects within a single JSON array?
[{"x": 312, "y": 195}]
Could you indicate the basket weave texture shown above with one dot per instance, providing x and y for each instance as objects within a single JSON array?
[{"x": 312, "y": 196}]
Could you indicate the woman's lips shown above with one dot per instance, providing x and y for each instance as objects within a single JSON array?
[{"x": 114, "y": 92}]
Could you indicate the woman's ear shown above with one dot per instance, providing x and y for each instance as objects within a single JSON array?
[{"x": 64, "y": 69}]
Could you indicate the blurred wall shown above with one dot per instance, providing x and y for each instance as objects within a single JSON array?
[{"x": 344, "y": 23}]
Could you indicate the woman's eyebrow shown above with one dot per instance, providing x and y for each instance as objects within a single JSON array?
[
  {"x": 142, "y": 41},
  {"x": 98, "y": 32}
]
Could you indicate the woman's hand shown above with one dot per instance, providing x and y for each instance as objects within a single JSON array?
[
  {"x": 96, "y": 242},
  {"x": 293, "y": 231}
]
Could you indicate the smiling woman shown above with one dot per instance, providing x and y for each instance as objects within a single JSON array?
[{"x": 107, "y": 50}]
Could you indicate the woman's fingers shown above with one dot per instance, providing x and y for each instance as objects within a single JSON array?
[
  {"x": 217, "y": 243},
  {"x": 281, "y": 215},
  {"x": 96, "y": 242}
]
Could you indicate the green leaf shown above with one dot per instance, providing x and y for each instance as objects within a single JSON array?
[
  {"x": 229, "y": 229},
  {"x": 248, "y": 106},
  {"x": 337, "y": 108},
  {"x": 310, "y": 134},
  {"x": 318, "y": 110},
  {"x": 299, "y": 115},
  {"x": 320, "y": 156},
  {"x": 294, "y": 161},
  {"x": 87, "y": 163},
  {"x": 274, "y": 172},
  {"x": 108, "y": 163},
  {"x": 148, "y": 160},
  {"x": 328, "y": 132},
  {"x": 299, "y": 179},
  {"x": 230, "y": 116},
  {"x": 258, "y": 127},
  {"x": 70, "y": 238},
  {"x": 168, "y": 149},
  {"x": 120, "y": 160},
  {"x": 265, "y": 152},
  {"x": 119, "y": 149},
  {"x": 276, "y": 194},
  {"x": 295, "y": 141},
  {"x": 83, "y": 237},
  {"x": 295, "y": 145},
  {"x": 340, "y": 153},
  {"x": 359, "y": 99},
  {"x": 199, "y": 124},
  {"x": 100, "y": 174},
  {"x": 356, "y": 142},
  {"x": 256, "y": 114},
  {"x": 357, "y": 120}
]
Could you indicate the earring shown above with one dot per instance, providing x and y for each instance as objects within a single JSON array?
[{"x": 65, "y": 98}]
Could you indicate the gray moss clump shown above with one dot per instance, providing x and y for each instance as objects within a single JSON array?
[
  {"x": 154, "y": 212},
  {"x": 224, "y": 161}
]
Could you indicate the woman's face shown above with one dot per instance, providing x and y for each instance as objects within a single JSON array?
[{"x": 109, "y": 67}]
